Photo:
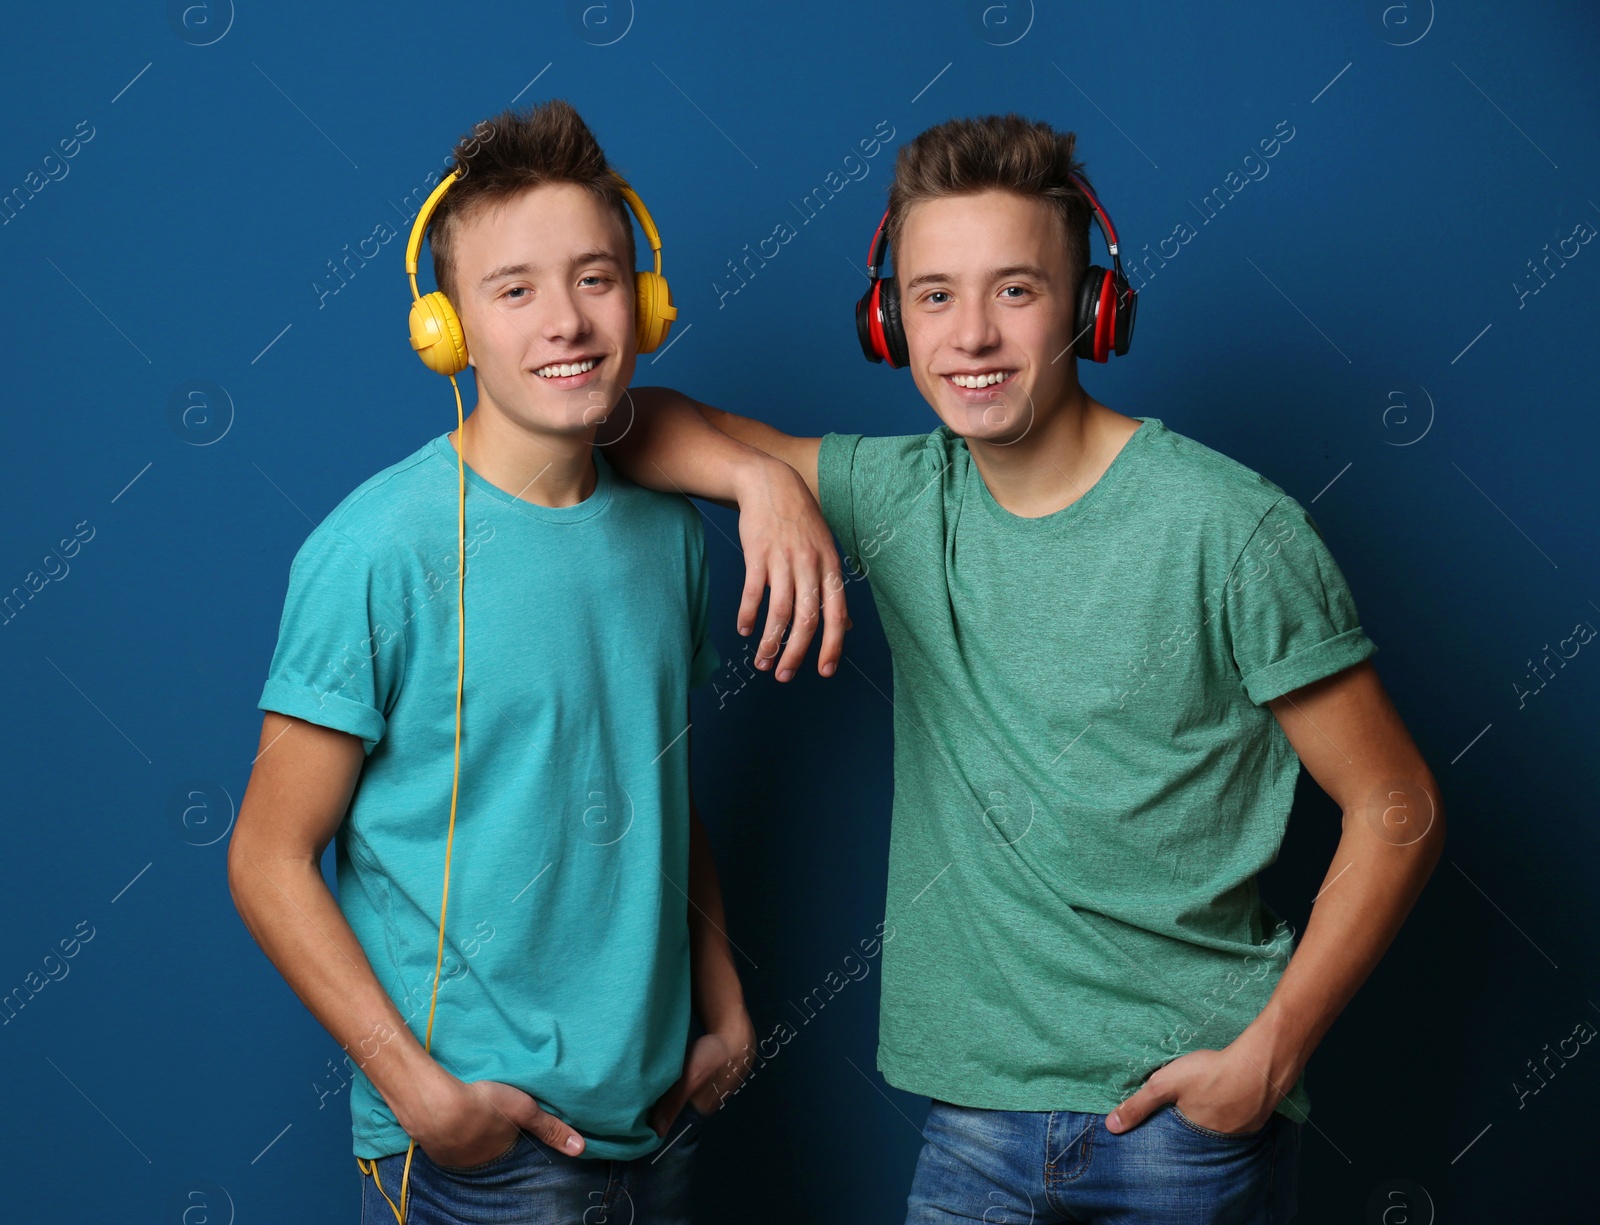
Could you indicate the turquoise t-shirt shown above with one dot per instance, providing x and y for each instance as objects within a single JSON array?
[
  {"x": 566, "y": 967},
  {"x": 1087, "y": 778}
]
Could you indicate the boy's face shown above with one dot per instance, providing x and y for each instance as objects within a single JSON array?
[
  {"x": 541, "y": 283},
  {"x": 986, "y": 296}
]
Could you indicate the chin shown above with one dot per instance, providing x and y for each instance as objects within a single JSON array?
[{"x": 1000, "y": 422}]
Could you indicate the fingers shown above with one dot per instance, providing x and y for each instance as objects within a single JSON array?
[
  {"x": 780, "y": 608},
  {"x": 666, "y": 1110},
  {"x": 1136, "y": 1109},
  {"x": 755, "y": 585},
  {"x": 804, "y": 622},
  {"x": 835, "y": 620},
  {"x": 553, "y": 1131}
]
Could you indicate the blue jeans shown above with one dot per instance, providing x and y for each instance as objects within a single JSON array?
[
  {"x": 534, "y": 1184},
  {"x": 1061, "y": 1166}
]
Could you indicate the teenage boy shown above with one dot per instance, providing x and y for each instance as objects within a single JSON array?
[
  {"x": 1113, "y": 650},
  {"x": 584, "y": 916}
]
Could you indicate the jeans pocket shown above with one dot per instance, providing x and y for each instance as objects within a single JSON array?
[
  {"x": 1186, "y": 1121},
  {"x": 483, "y": 1167}
]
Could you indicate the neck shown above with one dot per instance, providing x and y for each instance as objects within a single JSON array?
[
  {"x": 546, "y": 469},
  {"x": 1065, "y": 451}
]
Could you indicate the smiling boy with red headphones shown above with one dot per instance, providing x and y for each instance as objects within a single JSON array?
[{"x": 1113, "y": 649}]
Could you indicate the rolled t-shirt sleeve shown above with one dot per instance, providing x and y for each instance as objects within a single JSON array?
[
  {"x": 835, "y": 468},
  {"x": 705, "y": 659},
  {"x": 340, "y": 656},
  {"x": 867, "y": 487},
  {"x": 1291, "y": 619}
]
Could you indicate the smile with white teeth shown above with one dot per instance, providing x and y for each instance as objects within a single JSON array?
[
  {"x": 558, "y": 370},
  {"x": 979, "y": 380}
]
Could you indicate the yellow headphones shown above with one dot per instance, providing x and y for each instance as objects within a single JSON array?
[
  {"x": 436, "y": 332},
  {"x": 437, "y": 337}
]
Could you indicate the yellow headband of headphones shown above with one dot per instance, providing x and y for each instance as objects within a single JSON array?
[{"x": 436, "y": 332}]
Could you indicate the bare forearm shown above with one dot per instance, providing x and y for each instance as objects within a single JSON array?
[
  {"x": 288, "y": 909},
  {"x": 717, "y": 994},
  {"x": 670, "y": 444},
  {"x": 1370, "y": 888}
]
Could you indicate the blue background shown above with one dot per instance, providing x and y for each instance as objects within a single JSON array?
[{"x": 1327, "y": 328}]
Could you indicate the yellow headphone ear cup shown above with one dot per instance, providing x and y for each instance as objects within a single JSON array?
[
  {"x": 436, "y": 334},
  {"x": 653, "y": 309}
]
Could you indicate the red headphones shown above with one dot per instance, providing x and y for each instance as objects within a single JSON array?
[{"x": 1104, "y": 321}]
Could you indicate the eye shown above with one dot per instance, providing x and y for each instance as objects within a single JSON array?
[
  {"x": 516, "y": 289},
  {"x": 1014, "y": 292},
  {"x": 937, "y": 298},
  {"x": 594, "y": 278}
]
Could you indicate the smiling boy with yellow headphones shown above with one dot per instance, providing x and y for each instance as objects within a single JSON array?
[{"x": 496, "y": 733}]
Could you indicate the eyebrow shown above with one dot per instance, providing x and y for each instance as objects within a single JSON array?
[
  {"x": 597, "y": 256},
  {"x": 997, "y": 274}
]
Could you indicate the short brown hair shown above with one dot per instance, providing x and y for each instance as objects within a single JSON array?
[
  {"x": 510, "y": 153},
  {"x": 1006, "y": 152}
]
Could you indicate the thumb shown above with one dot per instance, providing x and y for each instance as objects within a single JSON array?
[
  {"x": 1137, "y": 1109},
  {"x": 551, "y": 1130}
]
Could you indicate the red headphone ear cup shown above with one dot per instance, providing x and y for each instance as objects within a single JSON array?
[
  {"x": 867, "y": 324},
  {"x": 894, "y": 332},
  {"x": 1105, "y": 311},
  {"x": 1127, "y": 305},
  {"x": 1087, "y": 319}
]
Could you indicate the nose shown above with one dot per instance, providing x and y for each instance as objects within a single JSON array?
[
  {"x": 975, "y": 329},
  {"x": 563, "y": 319}
]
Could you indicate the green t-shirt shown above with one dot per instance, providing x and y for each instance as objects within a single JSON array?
[{"x": 1087, "y": 780}]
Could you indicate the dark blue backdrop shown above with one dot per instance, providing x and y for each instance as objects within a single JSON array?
[{"x": 1362, "y": 323}]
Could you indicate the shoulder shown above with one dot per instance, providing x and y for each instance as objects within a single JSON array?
[
  {"x": 657, "y": 513},
  {"x": 1221, "y": 499},
  {"x": 386, "y": 507},
  {"x": 874, "y": 463}
]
